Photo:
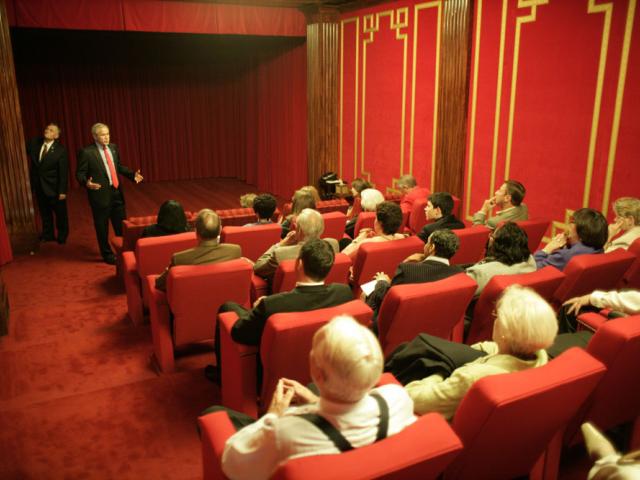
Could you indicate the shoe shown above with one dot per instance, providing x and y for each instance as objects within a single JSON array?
[
  {"x": 212, "y": 373},
  {"x": 111, "y": 260}
]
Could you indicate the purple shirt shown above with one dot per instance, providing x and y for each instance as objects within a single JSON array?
[{"x": 561, "y": 257}]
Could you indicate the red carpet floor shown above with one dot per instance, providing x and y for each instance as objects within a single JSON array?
[{"x": 78, "y": 395}]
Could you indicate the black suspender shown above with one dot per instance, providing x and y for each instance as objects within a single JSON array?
[{"x": 334, "y": 434}]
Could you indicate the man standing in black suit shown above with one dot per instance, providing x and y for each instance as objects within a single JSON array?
[
  {"x": 98, "y": 169},
  {"x": 49, "y": 178}
]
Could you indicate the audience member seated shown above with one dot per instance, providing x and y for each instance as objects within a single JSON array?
[
  {"x": 208, "y": 250},
  {"x": 525, "y": 326},
  {"x": 246, "y": 200},
  {"x": 608, "y": 463},
  {"x": 438, "y": 210},
  {"x": 171, "y": 220},
  {"x": 419, "y": 268},
  {"x": 370, "y": 198},
  {"x": 385, "y": 228},
  {"x": 309, "y": 226},
  {"x": 313, "y": 191},
  {"x": 357, "y": 186},
  {"x": 508, "y": 198},
  {"x": 587, "y": 233},
  {"x": 627, "y": 222},
  {"x": 410, "y": 191},
  {"x": 507, "y": 254},
  {"x": 345, "y": 364},
  {"x": 301, "y": 199},
  {"x": 264, "y": 205}
]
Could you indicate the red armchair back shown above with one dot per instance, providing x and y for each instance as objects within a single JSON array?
[
  {"x": 195, "y": 293},
  {"x": 535, "y": 229},
  {"x": 365, "y": 220},
  {"x": 506, "y": 422},
  {"x": 237, "y": 216},
  {"x": 434, "y": 308},
  {"x": 333, "y": 205},
  {"x": 417, "y": 217},
  {"x": 631, "y": 278},
  {"x": 586, "y": 273},
  {"x": 616, "y": 400},
  {"x": 254, "y": 241},
  {"x": 285, "y": 277},
  {"x": 383, "y": 257},
  {"x": 544, "y": 281},
  {"x": 334, "y": 223},
  {"x": 472, "y": 243}
]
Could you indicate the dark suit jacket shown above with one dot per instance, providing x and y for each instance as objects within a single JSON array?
[
  {"x": 208, "y": 251},
  {"x": 90, "y": 165},
  {"x": 448, "y": 221},
  {"x": 250, "y": 324},
  {"x": 422, "y": 272},
  {"x": 49, "y": 176}
]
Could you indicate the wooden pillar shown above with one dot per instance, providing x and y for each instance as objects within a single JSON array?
[
  {"x": 453, "y": 96},
  {"x": 322, "y": 92},
  {"x": 14, "y": 173}
]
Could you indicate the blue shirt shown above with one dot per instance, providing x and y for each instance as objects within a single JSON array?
[{"x": 561, "y": 257}]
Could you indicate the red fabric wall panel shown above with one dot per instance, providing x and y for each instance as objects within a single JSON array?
[
  {"x": 11, "y": 11},
  {"x": 546, "y": 82},
  {"x": 157, "y": 16},
  {"x": 388, "y": 91}
]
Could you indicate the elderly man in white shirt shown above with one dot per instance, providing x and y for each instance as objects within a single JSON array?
[{"x": 345, "y": 363}]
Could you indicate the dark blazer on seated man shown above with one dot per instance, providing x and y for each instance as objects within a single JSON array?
[
  {"x": 208, "y": 250},
  {"x": 431, "y": 266},
  {"x": 438, "y": 209},
  {"x": 312, "y": 266}
]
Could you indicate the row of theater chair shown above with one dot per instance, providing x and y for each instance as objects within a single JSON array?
[
  {"x": 195, "y": 293},
  {"x": 506, "y": 426},
  {"x": 152, "y": 255}
]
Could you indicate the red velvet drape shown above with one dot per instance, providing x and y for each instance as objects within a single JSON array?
[
  {"x": 5, "y": 246},
  {"x": 179, "y": 107}
]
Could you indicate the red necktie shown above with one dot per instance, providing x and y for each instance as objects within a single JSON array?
[{"x": 112, "y": 169}]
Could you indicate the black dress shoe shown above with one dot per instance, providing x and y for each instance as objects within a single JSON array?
[
  {"x": 110, "y": 260},
  {"x": 212, "y": 373}
]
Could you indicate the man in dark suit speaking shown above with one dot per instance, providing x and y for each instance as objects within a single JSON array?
[
  {"x": 98, "y": 169},
  {"x": 49, "y": 179}
]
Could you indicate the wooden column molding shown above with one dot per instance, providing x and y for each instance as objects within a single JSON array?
[
  {"x": 323, "y": 35},
  {"x": 14, "y": 172},
  {"x": 453, "y": 96}
]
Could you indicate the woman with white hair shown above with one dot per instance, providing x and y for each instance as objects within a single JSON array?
[
  {"x": 370, "y": 198},
  {"x": 525, "y": 326},
  {"x": 345, "y": 363},
  {"x": 625, "y": 228}
]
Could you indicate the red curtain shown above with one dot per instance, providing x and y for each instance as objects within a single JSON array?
[
  {"x": 5, "y": 245},
  {"x": 179, "y": 107}
]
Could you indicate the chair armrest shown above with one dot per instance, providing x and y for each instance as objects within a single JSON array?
[
  {"x": 132, "y": 287},
  {"x": 215, "y": 429},
  {"x": 160, "y": 326},
  {"x": 591, "y": 321},
  {"x": 238, "y": 373},
  {"x": 259, "y": 288},
  {"x": 116, "y": 244}
]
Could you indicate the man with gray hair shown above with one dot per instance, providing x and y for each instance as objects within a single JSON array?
[
  {"x": 431, "y": 266},
  {"x": 208, "y": 250},
  {"x": 345, "y": 363},
  {"x": 409, "y": 187},
  {"x": 309, "y": 225},
  {"x": 98, "y": 169}
]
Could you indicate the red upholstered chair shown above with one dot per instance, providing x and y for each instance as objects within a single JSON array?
[
  {"x": 508, "y": 422},
  {"x": 382, "y": 257},
  {"x": 194, "y": 295},
  {"x": 365, "y": 220},
  {"x": 333, "y": 205},
  {"x": 436, "y": 308},
  {"x": 417, "y": 217},
  {"x": 535, "y": 229},
  {"x": 472, "y": 244},
  {"x": 284, "y": 352},
  {"x": 393, "y": 197},
  {"x": 631, "y": 278},
  {"x": 131, "y": 230},
  {"x": 254, "y": 241},
  {"x": 544, "y": 281},
  {"x": 152, "y": 255},
  {"x": 616, "y": 400},
  {"x": 334, "y": 223},
  {"x": 422, "y": 450},
  {"x": 236, "y": 216},
  {"x": 284, "y": 279},
  {"x": 356, "y": 208},
  {"x": 586, "y": 273}
]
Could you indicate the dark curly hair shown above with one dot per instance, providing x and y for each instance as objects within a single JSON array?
[
  {"x": 389, "y": 216},
  {"x": 510, "y": 245},
  {"x": 591, "y": 227}
]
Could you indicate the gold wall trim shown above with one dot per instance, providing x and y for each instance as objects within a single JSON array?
[
  {"x": 355, "y": 20},
  {"x": 416, "y": 10},
  {"x": 622, "y": 77},
  {"x": 474, "y": 98},
  {"x": 533, "y": 5}
]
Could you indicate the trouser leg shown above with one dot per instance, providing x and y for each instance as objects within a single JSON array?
[
  {"x": 46, "y": 213},
  {"x": 62, "y": 220},
  {"x": 101, "y": 225},
  {"x": 118, "y": 213}
]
